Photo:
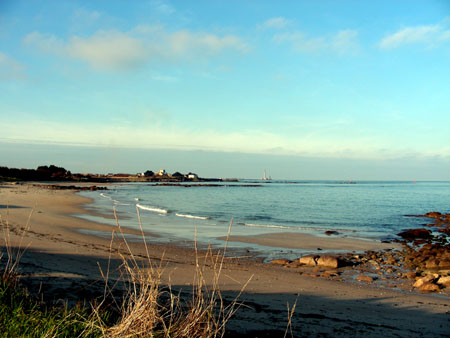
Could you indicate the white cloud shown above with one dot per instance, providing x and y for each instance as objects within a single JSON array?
[
  {"x": 343, "y": 42},
  {"x": 276, "y": 23},
  {"x": 45, "y": 42},
  {"x": 118, "y": 51},
  {"x": 82, "y": 16},
  {"x": 10, "y": 69},
  {"x": 162, "y": 7},
  {"x": 185, "y": 42},
  {"x": 107, "y": 50},
  {"x": 429, "y": 35}
]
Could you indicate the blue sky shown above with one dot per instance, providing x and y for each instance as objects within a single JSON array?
[{"x": 322, "y": 83}]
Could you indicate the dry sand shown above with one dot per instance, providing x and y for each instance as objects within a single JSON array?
[{"x": 64, "y": 263}]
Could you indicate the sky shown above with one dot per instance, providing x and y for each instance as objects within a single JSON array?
[{"x": 304, "y": 89}]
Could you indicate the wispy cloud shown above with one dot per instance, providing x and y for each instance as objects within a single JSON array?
[
  {"x": 429, "y": 35},
  {"x": 155, "y": 136},
  {"x": 11, "y": 69},
  {"x": 162, "y": 7},
  {"x": 345, "y": 41},
  {"x": 122, "y": 51},
  {"x": 82, "y": 16},
  {"x": 342, "y": 42},
  {"x": 276, "y": 23}
]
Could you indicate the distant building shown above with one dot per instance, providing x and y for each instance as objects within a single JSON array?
[
  {"x": 192, "y": 176},
  {"x": 162, "y": 172}
]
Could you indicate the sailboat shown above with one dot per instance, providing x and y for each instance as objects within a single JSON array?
[{"x": 265, "y": 176}]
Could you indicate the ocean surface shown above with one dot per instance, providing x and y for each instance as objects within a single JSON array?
[{"x": 370, "y": 210}]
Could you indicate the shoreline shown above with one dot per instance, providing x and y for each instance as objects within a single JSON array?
[{"x": 58, "y": 255}]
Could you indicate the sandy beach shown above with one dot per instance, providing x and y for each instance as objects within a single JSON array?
[{"x": 63, "y": 262}]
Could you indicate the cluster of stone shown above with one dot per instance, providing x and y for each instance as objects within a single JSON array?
[
  {"x": 319, "y": 264},
  {"x": 424, "y": 260},
  {"x": 73, "y": 187}
]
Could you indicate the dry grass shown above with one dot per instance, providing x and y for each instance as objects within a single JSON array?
[
  {"x": 151, "y": 310},
  {"x": 14, "y": 253}
]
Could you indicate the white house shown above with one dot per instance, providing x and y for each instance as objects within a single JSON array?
[
  {"x": 192, "y": 176},
  {"x": 162, "y": 172}
]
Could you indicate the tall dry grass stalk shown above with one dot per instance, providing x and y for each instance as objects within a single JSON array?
[
  {"x": 151, "y": 310},
  {"x": 13, "y": 253}
]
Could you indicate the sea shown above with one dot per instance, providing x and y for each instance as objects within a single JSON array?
[{"x": 368, "y": 210}]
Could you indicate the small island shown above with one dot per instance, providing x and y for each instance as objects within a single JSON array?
[{"x": 55, "y": 173}]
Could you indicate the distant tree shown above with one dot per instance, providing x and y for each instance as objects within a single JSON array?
[
  {"x": 149, "y": 173},
  {"x": 177, "y": 175}
]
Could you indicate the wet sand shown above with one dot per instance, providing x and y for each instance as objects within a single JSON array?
[
  {"x": 64, "y": 263},
  {"x": 291, "y": 240}
]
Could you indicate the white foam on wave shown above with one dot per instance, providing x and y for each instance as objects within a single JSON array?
[
  {"x": 106, "y": 196},
  {"x": 120, "y": 203},
  {"x": 268, "y": 226},
  {"x": 191, "y": 216},
  {"x": 152, "y": 209},
  {"x": 293, "y": 228},
  {"x": 116, "y": 202}
]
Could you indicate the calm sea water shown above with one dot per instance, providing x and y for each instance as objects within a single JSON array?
[{"x": 368, "y": 210}]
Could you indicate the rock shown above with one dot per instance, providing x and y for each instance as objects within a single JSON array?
[
  {"x": 390, "y": 259},
  {"x": 432, "y": 263},
  {"x": 294, "y": 264},
  {"x": 280, "y": 261},
  {"x": 329, "y": 274},
  {"x": 444, "y": 264},
  {"x": 428, "y": 286},
  {"x": 329, "y": 262},
  {"x": 309, "y": 260},
  {"x": 427, "y": 279},
  {"x": 410, "y": 274},
  {"x": 433, "y": 214},
  {"x": 444, "y": 281},
  {"x": 331, "y": 232},
  {"x": 413, "y": 234},
  {"x": 366, "y": 279}
]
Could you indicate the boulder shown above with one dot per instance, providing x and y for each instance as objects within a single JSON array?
[
  {"x": 444, "y": 281},
  {"x": 427, "y": 279},
  {"x": 428, "y": 286},
  {"x": 414, "y": 234},
  {"x": 309, "y": 260},
  {"x": 433, "y": 214},
  {"x": 366, "y": 279},
  {"x": 329, "y": 262}
]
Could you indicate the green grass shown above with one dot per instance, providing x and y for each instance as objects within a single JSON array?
[{"x": 21, "y": 315}]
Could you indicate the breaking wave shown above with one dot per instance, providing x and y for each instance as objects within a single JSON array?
[
  {"x": 152, "y": 209},
  {"x": 191, "y": 216},
  {"x": 286, "y": 227}
]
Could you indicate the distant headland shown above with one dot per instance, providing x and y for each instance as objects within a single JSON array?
[{"x": 55, "y": 173}]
